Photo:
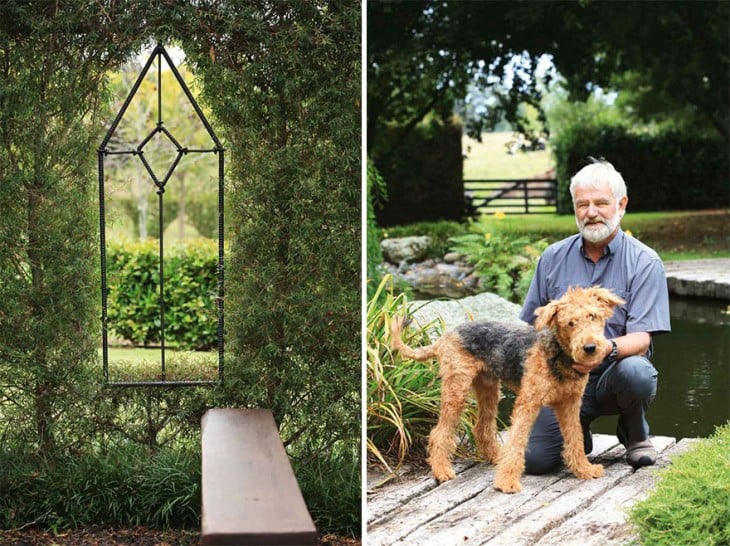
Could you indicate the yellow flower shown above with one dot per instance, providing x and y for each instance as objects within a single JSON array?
[
  {"x": 487, "y": 236},
  {"x": 499, "y": 215},
  {"x": 627, "y": 232}
]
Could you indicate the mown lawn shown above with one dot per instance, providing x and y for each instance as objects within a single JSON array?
[{"x": 682, "y": 235}]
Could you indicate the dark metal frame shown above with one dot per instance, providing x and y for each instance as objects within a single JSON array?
[{"x": 158, "y": 53}]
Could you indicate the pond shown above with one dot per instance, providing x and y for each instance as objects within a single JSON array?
[{"x": 693, "y": 396}]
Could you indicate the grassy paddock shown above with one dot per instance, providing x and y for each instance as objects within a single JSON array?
[{"x": 489, "y": 159}]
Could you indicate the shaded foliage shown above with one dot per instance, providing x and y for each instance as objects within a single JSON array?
[
  {"x": 671, "y": 56},
  {"x": 287, "y": 90}
]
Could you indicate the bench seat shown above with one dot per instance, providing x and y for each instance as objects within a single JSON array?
[{"x": 249, "y": 492}]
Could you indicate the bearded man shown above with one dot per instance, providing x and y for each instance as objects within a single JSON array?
[{"x": 625, "y": 382}]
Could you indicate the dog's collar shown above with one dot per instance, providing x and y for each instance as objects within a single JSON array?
[{"x": 559, "y": 361}]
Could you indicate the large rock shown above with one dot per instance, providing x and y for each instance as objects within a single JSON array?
[
  {"x": 485, "y": 306},
  {"x": 402, "y": 249}
]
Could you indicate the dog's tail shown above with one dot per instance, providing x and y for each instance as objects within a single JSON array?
[{"x": 397, "y": 324}]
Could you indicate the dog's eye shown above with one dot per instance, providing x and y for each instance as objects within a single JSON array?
[
  {"x": 571, "y": 324},
  {"x": 592, "y": 316}
]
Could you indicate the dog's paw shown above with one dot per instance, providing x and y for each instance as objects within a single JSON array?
[
  {"x": 589, "y": 471},
  {"x": 444, "y": 475},
  {"x": 507, "y": 485}
]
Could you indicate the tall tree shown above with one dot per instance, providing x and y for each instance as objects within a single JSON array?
[
  {"x": 52, "y": 63},
  {"x": 422, "y": 55}
]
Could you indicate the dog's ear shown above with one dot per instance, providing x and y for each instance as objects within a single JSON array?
[
  {"x": 546, "y": 315},
  {"x": 606, "y": 297}
]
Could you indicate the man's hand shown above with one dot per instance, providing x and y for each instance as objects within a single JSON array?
[{"x": 604, "y": 351}]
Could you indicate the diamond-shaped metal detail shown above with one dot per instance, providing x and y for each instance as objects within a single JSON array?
[{"x": 160, "y": 181}]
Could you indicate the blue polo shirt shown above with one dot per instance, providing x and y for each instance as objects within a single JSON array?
[{"x": 632, "y": 270}]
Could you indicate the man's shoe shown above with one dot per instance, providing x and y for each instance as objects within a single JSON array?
[{"x": 640, "y": 454}]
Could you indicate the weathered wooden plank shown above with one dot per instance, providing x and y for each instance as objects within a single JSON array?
[
  {"x": 422, "y": 509},
  {"x": 604, "y": 522},
  {"x": 469, "y": 517},
  {"x": 473, "y": 513},
  {"x": 383, "y": 500},
  {"x": 477, "y": 517},
  {"x": 249, "y": 492},
  {"x": 528, "y": 527},
  {"x": 491, "y": 511}
]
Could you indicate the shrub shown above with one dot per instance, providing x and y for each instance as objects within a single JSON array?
[
  {"x": 668, "y": 171},
  {"x": 333, "y": 479},
  {"x": 505, "y": 264},
  {"x": 690, "y": 503},
  {"x": 424, "y": 175},
  {"x": 191, "y": 281},
  {"x": 403, "y": 396}
]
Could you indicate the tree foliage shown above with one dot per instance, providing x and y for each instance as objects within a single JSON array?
[
  {"x": 52, "y": 65},
  {"x": 672, "y": 57},
  {"x": 287, "y": 87}
]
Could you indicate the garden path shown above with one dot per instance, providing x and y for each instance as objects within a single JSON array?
[{"x": 551, "y": 510}]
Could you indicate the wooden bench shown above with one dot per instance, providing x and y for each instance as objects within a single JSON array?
[{"x": 249, "y": 492}]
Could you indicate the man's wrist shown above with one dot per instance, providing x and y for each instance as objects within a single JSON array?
[{"x": 612, "y": 355}]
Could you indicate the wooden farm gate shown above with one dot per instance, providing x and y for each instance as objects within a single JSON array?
[{"x": 523, "y": 196}]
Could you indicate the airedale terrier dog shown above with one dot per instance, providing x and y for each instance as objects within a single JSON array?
[{"x": 535, "y": 363}]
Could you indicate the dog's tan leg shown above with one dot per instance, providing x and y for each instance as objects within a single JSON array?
[
  {"x": 455, "y": 388},
  {"x": 511, "y": 462},
  {"x": 568, "y": 415},
  {"x": 485, "y": 429}
]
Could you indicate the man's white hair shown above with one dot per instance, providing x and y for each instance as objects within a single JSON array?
[{"x": 597, "y": 172}]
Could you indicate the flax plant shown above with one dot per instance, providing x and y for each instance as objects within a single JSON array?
[{"x": 403, "y": 395}]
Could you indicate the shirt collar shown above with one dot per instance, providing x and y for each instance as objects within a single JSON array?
[{"x": 612, "y": 248}]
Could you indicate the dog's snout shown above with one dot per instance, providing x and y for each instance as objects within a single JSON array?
[{"x": 589, "y": 348}]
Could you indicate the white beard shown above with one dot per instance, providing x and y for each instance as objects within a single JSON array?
[{"x": 598, "y": 230}]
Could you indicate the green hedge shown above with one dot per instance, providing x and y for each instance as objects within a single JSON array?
[
  {"x": 425, "y": 174},
  {"x": 191, "y": 287},
  {"x": 669, "y": 171}
]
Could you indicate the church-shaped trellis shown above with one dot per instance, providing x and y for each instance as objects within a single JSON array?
[{"x": 160, "y": 179}]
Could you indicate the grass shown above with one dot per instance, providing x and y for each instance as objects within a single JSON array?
[
  {"x": 673, "y": 235},
  {"x": 143, "y": 364},
  {"x": 489, "y": 159},
  {"x": 690, "y": 504}
]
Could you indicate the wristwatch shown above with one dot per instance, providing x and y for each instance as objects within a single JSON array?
[{"x": 613, "y": 355}]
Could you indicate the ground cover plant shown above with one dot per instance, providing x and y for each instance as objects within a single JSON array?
[
  {"x": 403, "y": 396},
  {"x": 690, "y": 503}
]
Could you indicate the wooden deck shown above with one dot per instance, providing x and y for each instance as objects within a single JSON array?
[{"x": 551, "y": 510}]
